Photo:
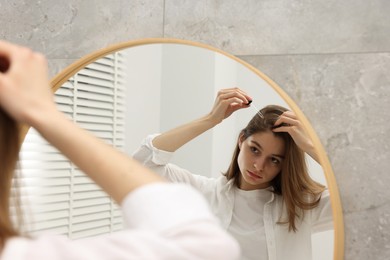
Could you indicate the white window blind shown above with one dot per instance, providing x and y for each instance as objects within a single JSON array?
[{"x": 56, "y": 196}]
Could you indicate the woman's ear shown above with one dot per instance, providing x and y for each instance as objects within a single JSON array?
[{"x": 240, "y": 140}]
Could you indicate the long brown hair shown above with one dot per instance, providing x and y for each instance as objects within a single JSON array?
[
  {"x": 298, "y": 190},
  {"x": 9, "y": 153}
]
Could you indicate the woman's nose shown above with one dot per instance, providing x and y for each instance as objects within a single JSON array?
[{"x": 259, "y": 164}]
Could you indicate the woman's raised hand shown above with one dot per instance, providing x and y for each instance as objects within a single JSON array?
[
  {"x": 24, "y": 84},
  {"x": 227, "y": 102},
  {"x": 291, "y": 125}
]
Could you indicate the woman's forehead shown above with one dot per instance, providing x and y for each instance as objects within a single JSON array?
[{"x": 268, "y": 141}]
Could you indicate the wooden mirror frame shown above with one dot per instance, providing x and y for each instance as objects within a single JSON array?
[{"x": 338, "y": 223}]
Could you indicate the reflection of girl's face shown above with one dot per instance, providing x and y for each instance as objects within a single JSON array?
[{"x": 260, "y": 160}]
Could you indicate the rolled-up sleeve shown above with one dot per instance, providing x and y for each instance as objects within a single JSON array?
[
  {"x": 164, "y": 221},
  {"x": 150, "y": 155},
  {"x": 159, "y": 161}
]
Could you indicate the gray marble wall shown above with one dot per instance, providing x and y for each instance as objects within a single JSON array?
[{"x": 332, "y": 57}]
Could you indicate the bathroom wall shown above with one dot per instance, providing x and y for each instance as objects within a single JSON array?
[{"x": 332, "y": 57}]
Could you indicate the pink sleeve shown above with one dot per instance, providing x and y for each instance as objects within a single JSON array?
[{"x": 165, "y": 221}]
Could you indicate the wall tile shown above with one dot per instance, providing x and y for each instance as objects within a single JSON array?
[
  {"x": 368, "y": 237},
  {"x": 71, "y": 29},
  {"x": 282, "y": 26}
]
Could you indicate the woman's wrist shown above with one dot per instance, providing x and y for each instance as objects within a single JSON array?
[
  {"x": 312, "y": 152},
  {"x": 211, "y": 120},
  {"x": 43, "y": 117}
]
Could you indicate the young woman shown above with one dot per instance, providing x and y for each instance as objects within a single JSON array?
[
  {"x": 266, "y": 199},
  {"x": 162, "y": 232}
]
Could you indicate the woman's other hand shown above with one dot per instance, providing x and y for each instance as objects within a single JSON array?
[
  {"x": 227, "y": 102},
  {"x": 24, "y": 85},
  {"x": 289, "y": 123}
]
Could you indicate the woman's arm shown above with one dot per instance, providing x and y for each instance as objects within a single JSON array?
[
  {"x": 26, "y": 96},
  {"x": 112, "y": 170},
  {"x": 227, "y": 102}
]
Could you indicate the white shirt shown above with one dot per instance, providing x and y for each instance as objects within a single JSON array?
[
  {"x": 247, "y": 224},
  {"x": 280, "y": 243},
  {"x": 164, "y": 221}
]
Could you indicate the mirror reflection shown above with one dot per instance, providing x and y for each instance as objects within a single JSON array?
[
  {"x": 172, "y": 84},
  {"x": 156, "y": 88}
]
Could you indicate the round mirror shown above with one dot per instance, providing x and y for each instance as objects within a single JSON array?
[{"x": 130, "y": 90}]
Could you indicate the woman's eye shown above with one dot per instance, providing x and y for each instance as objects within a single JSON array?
[
  {"x": 254, "y": 149},
  {"x": 275, "y": 160}
]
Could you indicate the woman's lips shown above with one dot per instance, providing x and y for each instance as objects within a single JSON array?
[{"x": 253, "y": 175}]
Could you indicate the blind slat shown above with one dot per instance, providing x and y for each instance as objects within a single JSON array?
[{"x": 55, "y": 195}]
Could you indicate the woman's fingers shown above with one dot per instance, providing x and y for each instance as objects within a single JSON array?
[
  {"x": 288, "y": 118},
  {"x": 24, "y": 87},
  {"x": 235, "y": 97},
  {"x": 290, "y": 114},
  {"x": 229, "y": 105},
  {"x": 289, "y": 123},
  {"x": 228, "y": 101},
  {"x": 286, "y": 121},
  {"x": 234, "y": 92}
]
